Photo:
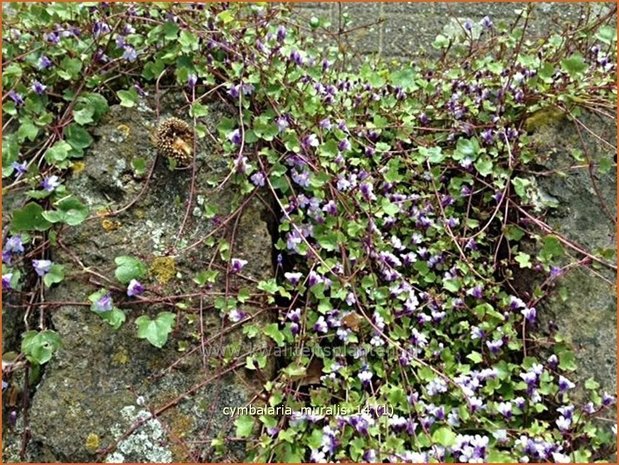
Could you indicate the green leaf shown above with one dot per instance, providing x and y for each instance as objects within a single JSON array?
[
  {"x": 432, "y": 154},
  {"x": 69, "y": 68},
  {"x": 466, "y": 148},
  {"x": 524, "y": 260},
  {"x": 58, "y": 152},
  {"x": 452, "y": 285},
  {"x": 128, "y": 98},
  {"x": 38, "y": 347},
  {"x": 475, "y": 357},
  {"x": 84, "y": 116},
  {"x": 96, "y": 102},
  {"x": 574, "y": 65},
  {"x": 591, "y": 384},
  {"x": 115, "y": 317},
  {"x": 10, "y": 153},
  {"x": 273, "y": 331},
  {"x": 567, "y": 360},
  {"x": 78, "y": 137},
  {"x": 513, "y": 233},
  {"x": 29, "y": 218},
  {"x": 188, "y": 41},
  {"x": 27, "y": 130},
  {"x": 70, "y": 211},
  {"x": 170, "y": 30},
  {"x": 129, "y": 268},
  {"x": 606, "y": 35},
  {"x": 244, "y": 426},
  {"x": 552, "y": 248},
  {"x": 54, "y": 276},
  {"x": 484, "y": 166},
  {"x": 198, "y": 110},
  {"x": 520, "y": 186},
  {"x": 156, "y": 331},
  {"x": 444, "y": 436},
  {"x": 139, "y": 166}
]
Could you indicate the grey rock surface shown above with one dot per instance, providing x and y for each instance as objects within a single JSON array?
[
  {"x": 586, "y": 216},
  {"x": 102, "y": 381},
  {"x": 399, "y": 30}
]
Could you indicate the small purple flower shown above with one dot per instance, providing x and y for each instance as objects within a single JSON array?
[
  {"x": 42, "y": 267},
  {"x": 6, "y": 281},
  {"x": 236, "y": 315},
  {"x": 258, "y": 179},
  {"x": 495, "y": 346},
  {"x": 100, "y": 56},
  {"x": 240, "y": 164},
  {"x": 553, "y": 361},
  {"x": 14, "y": 245},
  {"x": 565, "y": 384},
  {"x": 365, "y": 376},
  {"x": 100, "y": 28},
  {"x": 52, "y": 38},
  {"x": 468, "y": 25},
  {"x": 293, "y": 278},
  {"x": 505, "y": 409},
  {"x": 486, "y": 22},
  {"x": 38, "y": 88},
  {"x": 237, "y": 264},
  {"x": 301, "y": 178},
  {"x": 282, "y": 123},
  {"x": 556, "y": 271},
  {"x": 311, "y": 141},
  {"x": 50, "y": 183},
  {"x": 104, "y": 304},
  {"x": 330, "y": 208},
  {"x": 321, "y": 325},
  {"x": 529, "y": 314},
  {"x": 192, "y": 80},
  {"x": 235, "y": 137},
  {"x": 120, "y": 41},
  {"x": 369, "y": 456},
  {"x": 477, "y": 292},
  {"x": 17, "y": 98},
  {"x": 344, "y": 145},
  {"x": 12, "y": 420},
  {"x": 134, "y": 288},
  {"x": 130, "y": 54},
  {"x": 296, "y": 57},
  {"x": 563, "y": 423},
  {"x": 44, "y": 63},
  {"x": 608, "y": 399},
  {"x": 294, "y": 315},
  {"x": 325, "y": 124},
  {"x": 487, "y": 136},
  {"x": 281, "y": 33}
]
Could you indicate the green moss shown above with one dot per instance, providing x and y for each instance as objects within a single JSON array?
[
  {"x": 163, "y": 269},
  {"x": 545, "y": 117}
]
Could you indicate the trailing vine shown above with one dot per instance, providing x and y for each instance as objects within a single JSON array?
[{"x": 405, "y": 199}]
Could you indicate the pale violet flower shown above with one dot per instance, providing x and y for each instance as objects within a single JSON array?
[{"x": 42, "y": 267}]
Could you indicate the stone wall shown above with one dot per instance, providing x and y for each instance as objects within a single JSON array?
[{"x": 396, "y": 30}]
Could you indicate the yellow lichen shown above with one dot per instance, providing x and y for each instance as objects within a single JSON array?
[
  {"x": 121, "y": 357},
  {"x": 163, "y": 269},
  {"x": 78, "y": 167},
  {"x": 124, "y": 129},
  {"x": 110, "y": 225},
  {"x": 92, "y": 442}
]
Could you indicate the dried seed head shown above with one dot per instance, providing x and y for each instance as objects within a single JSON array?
[{"x": 174, "y": 139}]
